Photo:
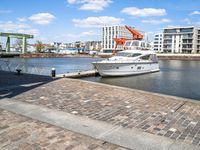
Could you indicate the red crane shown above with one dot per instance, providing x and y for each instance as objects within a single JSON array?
[{"x": 136, "y": 36}]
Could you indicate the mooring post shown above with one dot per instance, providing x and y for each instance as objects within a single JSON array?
[
  {"x": 53, "y": 72},
  {"x": 8, "y": 45},
  {"x": 19, "y": 72}
]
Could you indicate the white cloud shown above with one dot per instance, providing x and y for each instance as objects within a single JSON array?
[
  {"x": 17, "y": 27},
  {"x": 71, "y": 1},
  {"x": 11, "y": 26},
  {"x": 191, "y": 22},
  {"x": 88, "y": 33},
  {"x": 95, "y": 5},
  {"x": 187, "y": 21},
  {"x": 82, "y": 36},
  {"x": 145, "y": 12},
  {"x": 91, "y": 5},
  {"x": 29, "y": 31},
  {"x": 97, "y": 21},
  {"x": 195, "y": 12},
  {"x": 152, "y": 21},
  {"x": 197, "y": 23},
  {"x": 42, "y": 18},
  {"x": 22, "y": 19}
]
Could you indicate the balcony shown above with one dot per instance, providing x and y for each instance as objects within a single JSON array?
[
  {"x": 167, "y": 37},
  {"x": 167, "y": 43},
  {"x": 188, "y": 37},
  {"x": 190, "y": 43}
]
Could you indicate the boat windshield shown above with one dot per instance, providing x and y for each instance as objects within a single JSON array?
[
  {"x": 107, "y": 51},
  {"x": 128, "y": 54},
  {"x": 135, "y": 43},
  {"x": 128, "y": 43}
]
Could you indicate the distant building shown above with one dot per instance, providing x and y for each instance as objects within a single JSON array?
[
  {"x": 31, "y": 48},
  {"x": 158, "y": 42},
  {"x": 181, "y": 40},
  {"x": 56, "y": 44},
  {"x": 69, "y": 45},
  {"x": 60, "y": 45},
  {"x": 93, "y": 45},
  {"x": 66, "y": 45},
  {"x": 79, "y": 44},
  {"x": 111, "y": 32}
]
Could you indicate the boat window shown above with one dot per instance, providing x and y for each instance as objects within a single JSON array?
[
  {"x": 154, "y": 58},
  {"x": 128, "y": 54},
  {"x": 127, "y": 43},
  {"x": 135, "y": 55},
  {"x": 123, "y": 54},
  {"x": 142, "y": 44},
  {"x": 135, "y": 43},
  {"x": 107, "y": 51},
  {"x": 146, "y": 57}
]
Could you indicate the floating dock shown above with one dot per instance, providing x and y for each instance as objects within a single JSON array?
[
  {"x": 6, "y": 55},
  {"x": 79, "y": 74}
]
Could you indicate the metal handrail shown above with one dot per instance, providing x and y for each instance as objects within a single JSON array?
[
  {"x": 33, "y": 68},
  {"x": 6, "y": 65}
]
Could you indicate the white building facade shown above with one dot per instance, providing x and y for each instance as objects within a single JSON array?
[
  {"x": 158, "y": 42},
  {"x": 111, "y": 32},
  {"x": 93, "y": 45},
  {"x": 181, "y": 40}
]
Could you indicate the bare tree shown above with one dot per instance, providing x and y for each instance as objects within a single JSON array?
[
  {"x": 18, "y": 44},
  {"x": 39, "y": 46}
]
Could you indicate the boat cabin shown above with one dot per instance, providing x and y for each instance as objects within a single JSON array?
[
  {"x": 139, "y": 55},
  {"x": 136, "y": 44}
]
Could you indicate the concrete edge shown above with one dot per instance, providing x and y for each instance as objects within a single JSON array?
[
  {"x": 128, "y": 138},
  {"x": 136, "y": 90}
]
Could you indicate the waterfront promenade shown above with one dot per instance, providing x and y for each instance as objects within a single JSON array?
[{"x": 74, "y": 114}]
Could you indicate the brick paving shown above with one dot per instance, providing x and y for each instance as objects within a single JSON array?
[
  {"x": 18, "y": 132},
  {"x": 155, "y": 114}
]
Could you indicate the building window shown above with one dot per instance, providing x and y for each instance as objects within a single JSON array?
[{"x": 186, "y": 30}]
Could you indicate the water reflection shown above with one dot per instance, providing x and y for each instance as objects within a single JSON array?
[
  {"x": 43, "y": 66},
  {"x": 178, "y": 78}
]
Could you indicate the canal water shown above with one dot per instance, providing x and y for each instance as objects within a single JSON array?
[
  {"x": 176, "y": 77},
  {"x": 43, "y": 66}
]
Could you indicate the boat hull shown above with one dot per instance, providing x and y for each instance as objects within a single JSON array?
[{"x": 125, "y": 69}]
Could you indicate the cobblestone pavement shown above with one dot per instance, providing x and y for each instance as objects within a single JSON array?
[
  {"x": 9, "y": 82},
  {"x": 17, "y": 132},
  {"x": 156, "y": 114}
]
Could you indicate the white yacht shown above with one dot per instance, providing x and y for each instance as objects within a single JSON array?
[{"x": 136, "y": 59}]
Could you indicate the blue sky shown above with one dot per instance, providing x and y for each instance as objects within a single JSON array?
[{"x": 71, "y": 20}]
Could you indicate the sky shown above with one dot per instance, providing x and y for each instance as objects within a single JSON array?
[{"x": 73, "y": 20}]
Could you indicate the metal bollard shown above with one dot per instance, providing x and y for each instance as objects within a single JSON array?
[
  {"x": 53, "y": 72},
  {"x": 18, "y": 71}
]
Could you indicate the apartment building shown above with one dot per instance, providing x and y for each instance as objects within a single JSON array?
[
  {"x": 181, "y": 40},
  {"x": 111, "y": 32},
  {"x": 93, "y": 45},
  {"x": 178, "y": 40},
  {"x": 158, "y": 42}
]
